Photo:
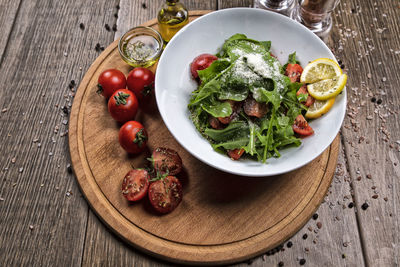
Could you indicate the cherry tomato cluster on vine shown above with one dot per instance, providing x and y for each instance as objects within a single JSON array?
[
  {"x": 123, "y": 104},
  {"x": 160, "y": 184}
]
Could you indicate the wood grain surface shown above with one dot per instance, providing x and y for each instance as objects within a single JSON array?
[
  {"x": 212, "y": 223},
  {"x": 44, "y": 221}
]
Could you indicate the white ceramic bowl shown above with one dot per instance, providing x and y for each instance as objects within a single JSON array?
[{"x": 206, "y": 34}]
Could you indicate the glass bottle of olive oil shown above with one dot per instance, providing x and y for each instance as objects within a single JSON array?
[{"x": 171, "y": 18}]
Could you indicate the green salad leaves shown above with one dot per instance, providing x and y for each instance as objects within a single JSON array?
[{"x": 246, "y": 70}]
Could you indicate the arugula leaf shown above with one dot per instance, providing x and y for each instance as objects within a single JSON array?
[
  {"x": 206, "y": 91},
  {"x": 251, "y": 146},
  {"x": 302, "y": 97},
  {"x": 292, "y": 59},
  {"x": 216, "y": 108},
  {"x": 266, "y": 44},
  {"x": 235, "y": 130},
  {"x": 213, "y": 70},
  {"x": 262, "y": 95}
]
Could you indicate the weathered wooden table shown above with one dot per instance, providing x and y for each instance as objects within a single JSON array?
[{"x": 46, "y": 48}]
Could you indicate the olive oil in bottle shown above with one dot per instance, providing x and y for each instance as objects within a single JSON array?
[{"x": 171, "y": 18}]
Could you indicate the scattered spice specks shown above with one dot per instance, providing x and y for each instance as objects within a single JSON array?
[
  {"x": 31, "y": 227},
  {"x": 379, "y": 101},
  {"x": 4, "y": 110},
  {"x": 343, "y": 256},
  {"x": 319, "y": 225},
  {"x": 72, "y": 83},
  {"x": 117, "y": 7},
  {"x": 375, "y": 196},
  {"x": 20, "y": 170},
  {"x": 289, "y": 244},
  {"x": 116, "y": 15},
  {"x": 315, "y": 216},
  {"x": 302, "y": 261},
  {"x": 281, "y": 264},
  {"x": 69, "y": 193},
  {"x": 351, "y": 205},
  {"x": 369, "y": 176},
  {"x": 305, "y": 236},
  {"x": 65, "y": 110},
  {"x": 144, "y": 6},
  {"x": 107, "y": 27},
  {"x": 1, "y": 199},
  {"x": 114, "y": 27},
  {"x": 13, "y": 160},
  {"x": 69, "y": 168},
  {"x": 82, "y": 26},
  {"x": 365, "y": 206}
]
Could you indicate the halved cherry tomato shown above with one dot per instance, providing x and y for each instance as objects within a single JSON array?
[
  {"x": 141, "y": 82},
  {"x": 110, "y": 81},
  {"x": 201, "y": 62},
  {"x": 166, "y": 161},
  {"x": 133, "y": 137},
  {"x": 301, "y": 126},
  {"x": 123, "y": 105},
  {"x": 293, "y": 71},
  {"x": 235, "y": 154},
  {"x": 165, "y": 194},
  {"x": 135, "y": 184},
  {"x": 310, "y": 100}
]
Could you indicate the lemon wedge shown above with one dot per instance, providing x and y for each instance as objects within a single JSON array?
[
  {"x": 327, "y": 88},
  {"x": 319, "y": 108},
  {"x": 320, "y": 69}
]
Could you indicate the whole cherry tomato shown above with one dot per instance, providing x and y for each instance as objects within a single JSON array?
[
  {"x": 141, "y": 82},
  {"x": 123, "y": 105},
  {"x": 110, "y": 81},
  {"x": 133, "y": 137},
  {"x": 201, "y": 62}
]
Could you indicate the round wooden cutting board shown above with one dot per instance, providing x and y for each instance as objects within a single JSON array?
[{"x": 222, "y": 219}]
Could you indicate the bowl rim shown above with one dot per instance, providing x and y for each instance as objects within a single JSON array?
[
  {"x": 242, "y": 173},
  {"x": 144, "y": 30}
]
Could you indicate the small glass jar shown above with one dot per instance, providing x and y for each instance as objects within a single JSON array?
[
  {"x": 171, "y": 18},
  {"x": 141, "y": 46},
  {"x": 315, "y": 15}
]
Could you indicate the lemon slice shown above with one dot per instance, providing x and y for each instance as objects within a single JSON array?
[
  {"x": 320, "y": 69},
  {"x": 328, "y": 88},
  {"x": 319, "y": 108}
]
